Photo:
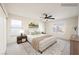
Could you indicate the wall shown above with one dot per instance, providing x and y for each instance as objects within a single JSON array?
[
  {"x": 25, "y": 22},
  {"x": 68, "y": 27},
  {"x": 2, "y": 31},
  {"x": 70, "y": 24}
]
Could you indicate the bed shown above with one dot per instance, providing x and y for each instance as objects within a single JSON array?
[{"x": 41, "y": 42}]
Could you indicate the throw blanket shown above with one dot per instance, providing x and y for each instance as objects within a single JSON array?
[{"x": 35, "y": 41}]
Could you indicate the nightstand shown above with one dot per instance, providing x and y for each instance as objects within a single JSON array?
[{"x": 21, "y": 39}]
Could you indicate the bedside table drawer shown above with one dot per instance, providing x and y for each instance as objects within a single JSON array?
[{"x": 21, "y": 39}]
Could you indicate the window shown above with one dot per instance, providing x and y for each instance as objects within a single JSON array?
[
  {"x": 16, "y": 24},
  {"x": 16, "y": 27}
]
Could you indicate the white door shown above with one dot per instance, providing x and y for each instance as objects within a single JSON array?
[{"x": 2, "y": 32}]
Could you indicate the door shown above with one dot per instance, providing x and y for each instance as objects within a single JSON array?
[{"x": 2, "y": 32}]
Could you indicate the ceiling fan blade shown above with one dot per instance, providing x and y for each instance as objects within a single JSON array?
[{"x": 51, "y": 18}]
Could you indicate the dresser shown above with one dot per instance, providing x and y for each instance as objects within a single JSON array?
[{"x": 74, "y": 45}]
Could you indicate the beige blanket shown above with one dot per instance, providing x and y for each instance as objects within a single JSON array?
[{"x": 35, "y": 41}]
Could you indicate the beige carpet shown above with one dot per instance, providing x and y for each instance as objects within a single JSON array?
[{"x": 62, "y": 47}]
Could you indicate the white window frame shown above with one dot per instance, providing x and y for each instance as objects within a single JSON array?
[{"x": 15, "y": 28}]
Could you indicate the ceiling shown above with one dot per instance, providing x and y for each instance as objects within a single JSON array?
[{"x": 35, "y": 10}]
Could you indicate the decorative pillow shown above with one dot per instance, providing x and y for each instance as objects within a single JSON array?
[{"x": 35, "y": 33}]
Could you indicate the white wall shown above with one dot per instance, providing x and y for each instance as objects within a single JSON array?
[
  {"x": 2, "y": 32},
  {"x": 25, "y": 22},
  {"x": 68, "y": 27},
  {"x": 70, "y": 24}
]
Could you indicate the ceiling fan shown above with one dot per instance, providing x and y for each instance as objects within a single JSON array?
[{"x": 46, "y": 16}]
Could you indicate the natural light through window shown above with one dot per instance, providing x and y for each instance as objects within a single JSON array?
[
  {"x": 16, "y": 27},
  {"x": 16, "y": 23}
]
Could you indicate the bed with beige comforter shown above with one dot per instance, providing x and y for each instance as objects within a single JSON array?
[{"x": 41, "y": 42}]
